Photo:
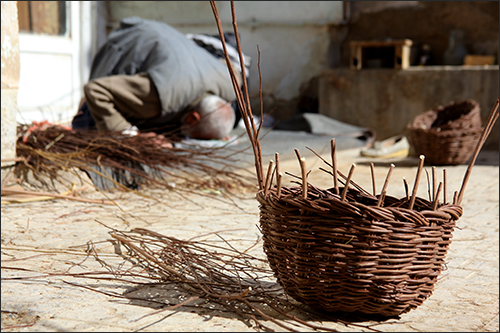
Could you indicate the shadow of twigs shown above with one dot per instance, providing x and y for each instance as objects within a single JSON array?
[{"x": 164, "y": 296}]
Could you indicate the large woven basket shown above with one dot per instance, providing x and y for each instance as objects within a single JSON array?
[
  {"x": 352, "y": 255},
  {"x": 446, "y": 135},
  {"x": 344, "y": 249}
]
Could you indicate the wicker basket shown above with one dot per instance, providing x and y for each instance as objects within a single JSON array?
[
  {"x": 447, "y": 135},
  {"x": 352, "y": 255},
  {"x": 344, "y": 249}
]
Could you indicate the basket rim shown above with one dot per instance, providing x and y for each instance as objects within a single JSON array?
[
  {"x": 420, "y": 213},
  {"x": 471, "y": 115},
  {"x": 446, "y": 132}
]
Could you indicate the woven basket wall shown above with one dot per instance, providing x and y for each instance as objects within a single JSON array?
[
  {"x": 451, "y": 147},
  {"x": 447, "y": 135},
  {"x": 351, "y": 255}
]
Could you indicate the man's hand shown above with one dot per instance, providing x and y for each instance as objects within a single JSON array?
[
  {"x": 157, "y": 139},
  {"x": 130, "y": 131}
]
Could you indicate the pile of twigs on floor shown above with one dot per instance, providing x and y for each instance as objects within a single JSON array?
[
  {"x": 210, "y": 275},
  {"x": 125, "y": 161}
]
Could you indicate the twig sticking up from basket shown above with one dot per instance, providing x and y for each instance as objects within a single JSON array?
[
  {"x": 417, "y": 180},
  {"x": 487, "y": 129},
  {"x": 304, "y": 176},
  {"x": 277, "y": 160},
  {"x": 351, "y": 172},
  {"x": 436, "y": 201},
  {"x": 268, "y": 177},
  {"x": 334, "y": 167},
  {"x": 303, "y": 169},
  {"x": 359, "y": 188},
  {"x": 384, "y": 189},
  {"x": 279, "y": 175},
  {"x": 405, "y": 183},
  {"x": 444, "y": 186},
  {"x": 243, "y": 101},
  {"x": 434, "y": 183},
  {"x": 278, "y": 183},
  {"x": 372, "y": 170},
  {"x": 429, "y": 186}
]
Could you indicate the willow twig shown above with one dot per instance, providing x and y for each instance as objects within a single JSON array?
[
  {"x": 384, "y": 188},
  {"x": 277, "y": 160},
  {"x": 484, "y": 135},
  {"x": 122, "y": 160},
  {"x": 334, "y": 166},
  {"x": 434, "y": 184},
  {"x": 417, "y": 180},
  {"x": 268, "y": 176},
  {"x": 372, "y": 171},
  {"x": 244, "y": 106},
  {"x": 278, "y": 184},
  {"x": 436, "y": 200},
  {"x": 405, "y": 183},
  {"x": 351, "y": 171},
  {"x": 444, "y": 186}
]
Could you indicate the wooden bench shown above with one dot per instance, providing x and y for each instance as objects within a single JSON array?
[{"x": 380, "y": 54}]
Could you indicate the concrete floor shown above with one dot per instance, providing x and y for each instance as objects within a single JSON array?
[{"x": 50, "y": 236}]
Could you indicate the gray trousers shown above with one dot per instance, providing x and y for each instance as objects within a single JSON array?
[{"x": 117, "y": 101}]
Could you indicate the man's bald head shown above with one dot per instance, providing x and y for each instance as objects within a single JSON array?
[{"x": 212, "y": 118}]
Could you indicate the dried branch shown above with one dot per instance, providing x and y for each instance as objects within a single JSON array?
[
  {"x": 243, "y": 104},
  {"x": 133, "y": 160},
  {"x": 484, "y": 135}
]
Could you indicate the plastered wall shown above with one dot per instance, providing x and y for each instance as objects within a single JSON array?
[
  {"x": 292, "y": 36},
  {"x": 10, "y": 80}
]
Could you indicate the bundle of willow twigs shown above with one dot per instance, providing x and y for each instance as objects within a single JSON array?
[
  {"x": 216, "y": 273},
  {"x": 47, "y": 151},
  {"x": 344, "y": 249}
]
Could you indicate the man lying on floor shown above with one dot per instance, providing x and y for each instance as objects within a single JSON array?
[{"x": 148, "y": 77}]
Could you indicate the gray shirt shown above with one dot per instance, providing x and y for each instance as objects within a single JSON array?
[{"x": 181, "y": 70}]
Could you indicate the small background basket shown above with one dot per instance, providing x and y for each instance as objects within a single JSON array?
[
  {"x": 447, "y": 135},
  {"x": 351, "y": 255}
]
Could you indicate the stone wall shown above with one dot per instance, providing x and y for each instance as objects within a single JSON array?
[
  {"x": 424, "y": 22},
  {"x": 386, "y": 100}
]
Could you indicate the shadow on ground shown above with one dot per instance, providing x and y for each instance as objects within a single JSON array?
[{"x": 160, "y": 296}]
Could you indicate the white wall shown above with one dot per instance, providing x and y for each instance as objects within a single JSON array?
[
  {"x": 54, "y": 69},
  {"x": 292, "y": 35}
]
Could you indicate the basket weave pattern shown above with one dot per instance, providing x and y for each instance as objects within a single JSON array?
[
  {"x": 351, "y": 255},
  {"x": 447, "y": 135}
]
